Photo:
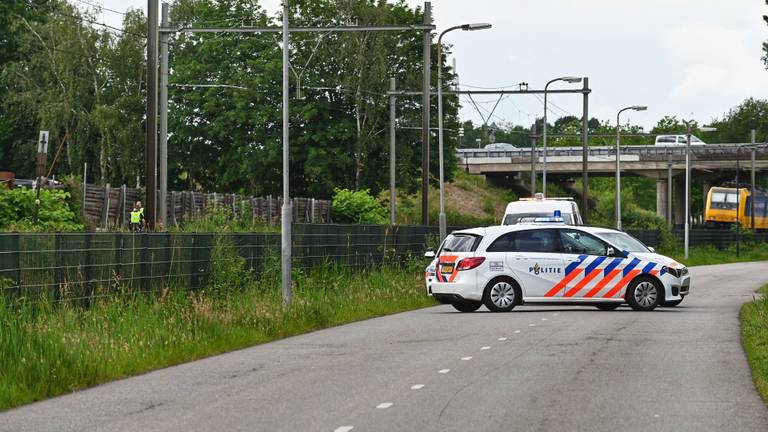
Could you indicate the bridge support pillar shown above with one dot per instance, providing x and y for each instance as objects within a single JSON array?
[
  {"x": 662, "y": 199},
  {"x": 678, "y": 199}
]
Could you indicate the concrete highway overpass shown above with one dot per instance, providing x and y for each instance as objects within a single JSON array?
[{"x": 712, "y": 163}]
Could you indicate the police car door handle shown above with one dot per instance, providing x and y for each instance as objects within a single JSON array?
[
  {"x": 519, "y": 257},
  {"x": 572, "y": 260}
]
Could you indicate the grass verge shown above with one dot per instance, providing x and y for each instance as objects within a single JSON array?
[
  {"x": 49, "y": 349},
  {"x": 754, "y": 338},
  {"x": 708, "y": 255}
]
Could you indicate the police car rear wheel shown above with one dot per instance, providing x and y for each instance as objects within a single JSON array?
[
  {"x": 644, "y": 294},
  {"x": 466, "y": 305},
  {"x": 501, "y": 295}
]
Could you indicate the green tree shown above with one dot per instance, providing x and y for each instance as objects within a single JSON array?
[{"x": 736, "y": 124}]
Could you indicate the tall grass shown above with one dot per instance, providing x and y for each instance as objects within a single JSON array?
[
  {"x": 754, "y": 338},
  {"x": 50, "y": 348}
]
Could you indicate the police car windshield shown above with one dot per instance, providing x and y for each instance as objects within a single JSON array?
[
  {"x": 514, "y": 219},
  {"x": 459, "y": 243},
  {"x": 624, "y": 242}
]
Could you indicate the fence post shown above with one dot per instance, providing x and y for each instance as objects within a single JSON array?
[
  {"x": 192, "y": 270},
  {"x": 312, "y": 217},
  {"x": 105, "y": 207},
  {"x": 123, "y": 195},
  {"x": 88, "y": 270},
  {"x": 144, "y": 267},
  {"x": 173, "y": 209},
  {"x": 58, "y": 264},
  {"x": 119, "y": 245}
]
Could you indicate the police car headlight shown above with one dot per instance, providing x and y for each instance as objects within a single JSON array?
[{"x": 673, "y": 271}]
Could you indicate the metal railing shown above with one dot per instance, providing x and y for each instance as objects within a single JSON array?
[{"x": 727, "y": 149}]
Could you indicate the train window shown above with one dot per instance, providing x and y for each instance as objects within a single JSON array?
[{"x": 724, "y": 200}]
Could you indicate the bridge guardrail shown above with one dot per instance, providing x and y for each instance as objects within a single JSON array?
[{"x": 642, "y": 150}]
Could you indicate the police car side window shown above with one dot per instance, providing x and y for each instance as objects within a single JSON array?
[
  {"x": 505, "y": 243},
  {"x": 578, "y": 242},
  {"x": 537, "y": 241}
]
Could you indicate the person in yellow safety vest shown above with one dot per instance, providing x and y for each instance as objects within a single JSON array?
[{"x": 137, "y": 217}]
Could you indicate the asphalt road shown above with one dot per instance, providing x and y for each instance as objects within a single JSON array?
[{"x": 534, "y": 369}]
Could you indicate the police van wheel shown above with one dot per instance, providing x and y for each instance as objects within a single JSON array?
[
  {"x": 501, "y": 295},
  {"x": 607, "y": 306},
  {"x": 466, "y": 305},
  {"x": 644, "y": 294}
]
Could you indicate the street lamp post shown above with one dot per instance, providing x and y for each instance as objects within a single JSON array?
[
  {"x": 686, "y": 225},
  {"x": 464, "y": 27},
  {"x": 568, "y": 79},
  {"x": 618, "y": 157}
]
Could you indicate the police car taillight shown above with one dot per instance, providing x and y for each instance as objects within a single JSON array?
[{"x": 469, "y": 263}]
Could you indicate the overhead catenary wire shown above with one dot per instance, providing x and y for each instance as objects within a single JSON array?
[
  {"x": 100, "y": 7},
  {"x": 82, "y": 19}
]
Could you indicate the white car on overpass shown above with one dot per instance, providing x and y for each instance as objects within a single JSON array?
[
  {"x": 677, "y": 140},
  {"x": 552, "y": 263}
]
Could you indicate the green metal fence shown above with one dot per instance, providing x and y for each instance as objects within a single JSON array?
[{"x": 86, "y": 266}]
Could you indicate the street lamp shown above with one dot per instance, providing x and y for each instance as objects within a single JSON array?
[
  {"x": 686, "y": 227},
  {"x": 567, "y": 79},
  {"x": 618, "y": 157},
  {"x": 463, "y": 27}
]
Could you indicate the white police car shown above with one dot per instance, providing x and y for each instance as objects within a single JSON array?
[{"x": 505, "y": 266}]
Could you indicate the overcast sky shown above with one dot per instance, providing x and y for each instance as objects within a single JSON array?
[{"x": 690, "y": 58}]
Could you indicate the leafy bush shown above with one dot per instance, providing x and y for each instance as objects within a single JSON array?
[
  {"x": 357, "y": 207},
  {"x": 17, "y": 210}
]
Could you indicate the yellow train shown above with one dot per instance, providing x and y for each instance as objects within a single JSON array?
[{"x": 726, "y": 206}]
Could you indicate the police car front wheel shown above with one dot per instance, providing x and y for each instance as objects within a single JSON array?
[
  {"x": 644, "y": 294},
  {"x": 501, "y": 295}
]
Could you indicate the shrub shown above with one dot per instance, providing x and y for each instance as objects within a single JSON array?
[
  {"x": 17, "y": 210},
  {"x": 357, "y": 207}
]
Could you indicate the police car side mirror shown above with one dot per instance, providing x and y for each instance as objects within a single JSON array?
[
  {"x": 610, "y": 252},
  {"x": 429, "y": 254},
  {"x": 652, "y": 249}
]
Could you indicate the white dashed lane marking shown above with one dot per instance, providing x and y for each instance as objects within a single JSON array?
[
  {"x": 384, "y": 405},
  {"x": 543, "y": 319},
  {"x": 517, "y": 331},
  {"x": 467, "y": 358},
  {"x": 343, "y": 429},
  {"x": 531, "y": 325},
  {"x": 443, "y": 371},
  {"x": 417, "y": 386},
  {"x": 485, "y": 348},
  {"x": 502, "y": 339}
]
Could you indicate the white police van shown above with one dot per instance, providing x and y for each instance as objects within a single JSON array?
[
  {"x": 538, "y": 206},
  {"x": 549, "y": 262}
]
